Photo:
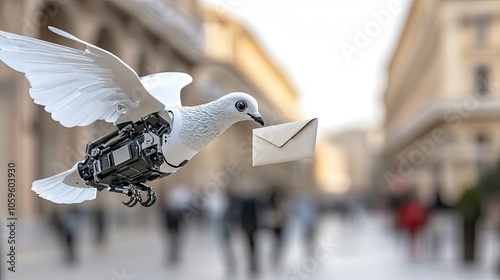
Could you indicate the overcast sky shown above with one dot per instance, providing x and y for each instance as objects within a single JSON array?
[{"x": 331, "y": 50}]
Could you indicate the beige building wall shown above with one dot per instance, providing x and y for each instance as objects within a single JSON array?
[
  {"x": 333, "y": 169},
  {"x": 442, "y": 100},
  {"x": 237, "y": 62},
  {"x": 360, "y": 149},
  {"x": 229, "y": 42}
]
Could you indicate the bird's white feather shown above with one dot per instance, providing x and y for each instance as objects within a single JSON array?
[
  {"x": 203, "y": 123},
  {"x": 58, "y": 190},
  {"x": 167, "y": 86},
  {"x": 77, "y": 87}
]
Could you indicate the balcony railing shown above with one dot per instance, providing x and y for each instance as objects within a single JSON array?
[{"x": 434, "y": 112}]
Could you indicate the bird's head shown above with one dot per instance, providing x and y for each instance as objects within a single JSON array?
[
  {"x": 203, "y": 123},
  {"x": 243, "y": 106}
]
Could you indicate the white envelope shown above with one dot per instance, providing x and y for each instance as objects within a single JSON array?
[{"x": 284, "y": 142}]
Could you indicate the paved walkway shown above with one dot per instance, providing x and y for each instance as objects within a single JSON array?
[{"x": 365, "y": 249}]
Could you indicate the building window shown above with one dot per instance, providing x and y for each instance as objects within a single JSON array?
[
  {"x": 482, "y": 145},
  {"x": 482, "y": 25},
  {"x": 482, "y": 80},
  {"x": 481, "y": 139}
]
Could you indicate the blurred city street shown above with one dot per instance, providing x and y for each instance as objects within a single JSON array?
[
  {"x": 379, "y": 157},
  {"x": 358, "y": 249}
]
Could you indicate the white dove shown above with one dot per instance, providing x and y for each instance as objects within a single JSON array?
[{"x": 155, "y": 134}]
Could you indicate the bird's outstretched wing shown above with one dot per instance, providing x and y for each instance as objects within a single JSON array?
[
  {"x": 78, "y": 87},
  {"x": 167, "y": 86}
]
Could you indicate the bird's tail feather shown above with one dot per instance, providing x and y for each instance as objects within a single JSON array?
[{"x": 66, "y": 187}]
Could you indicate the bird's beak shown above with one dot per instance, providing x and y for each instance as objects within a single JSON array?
[{"x": 257, "y": 117}]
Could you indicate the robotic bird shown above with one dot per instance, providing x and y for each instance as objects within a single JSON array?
[{"x": 155, "y": 134}]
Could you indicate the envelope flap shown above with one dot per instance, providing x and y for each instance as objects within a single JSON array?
[{"x": 280, "y": 134}]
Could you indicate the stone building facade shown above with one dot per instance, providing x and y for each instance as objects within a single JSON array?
[{"x": 442, "y": 104}]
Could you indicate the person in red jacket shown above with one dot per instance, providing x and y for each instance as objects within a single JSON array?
[{"x": 412, "y": 216}]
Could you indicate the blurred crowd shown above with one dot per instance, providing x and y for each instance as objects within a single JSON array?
[
  {"x": 233, "y": 212},
  {"x": 239, "y": 218},
  {"x": 477, "y": 208},
  {"x": 235, "y": 215}
]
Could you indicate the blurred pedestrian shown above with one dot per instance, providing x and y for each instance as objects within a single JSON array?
[
  {"x": 278, "y": 203},
  {"x": 67, "y": 226},
  {"x": 412, "y": 216},
  {"x": 437, "y": 215},
  {"x": 469, "y": 207},
  {"x": 249, "y": 224},
  {"x": 306, "y": 209},
  {"x": 226, "y": 224},
  {"x": 488, "y": 186},
  {"x": 179, "y": 201},
  {"x": 395, "y": 200},
  {"x": 99, "y": 220}
]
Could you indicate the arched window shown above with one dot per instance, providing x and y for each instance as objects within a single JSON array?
[
  {"x": 481, "y": 25},
  {"x": 482, "y": 144}
]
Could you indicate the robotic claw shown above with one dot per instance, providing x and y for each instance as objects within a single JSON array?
[
  {"x": 126, "y": 163},
  {"x": 134, "y": 192}
]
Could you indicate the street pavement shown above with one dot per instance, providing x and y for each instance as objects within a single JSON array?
[{"x": 363, "y": 248}]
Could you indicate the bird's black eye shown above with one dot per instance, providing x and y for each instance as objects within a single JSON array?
[{"x": 241, "y": 105}]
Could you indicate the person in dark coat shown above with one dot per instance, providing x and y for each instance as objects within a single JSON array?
[
  {"x": 469, "y": 206},
  {"x": 249, "y": 224},
  {"x": 278, "y": 206},
  {"x": 227, "y": 222}
]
